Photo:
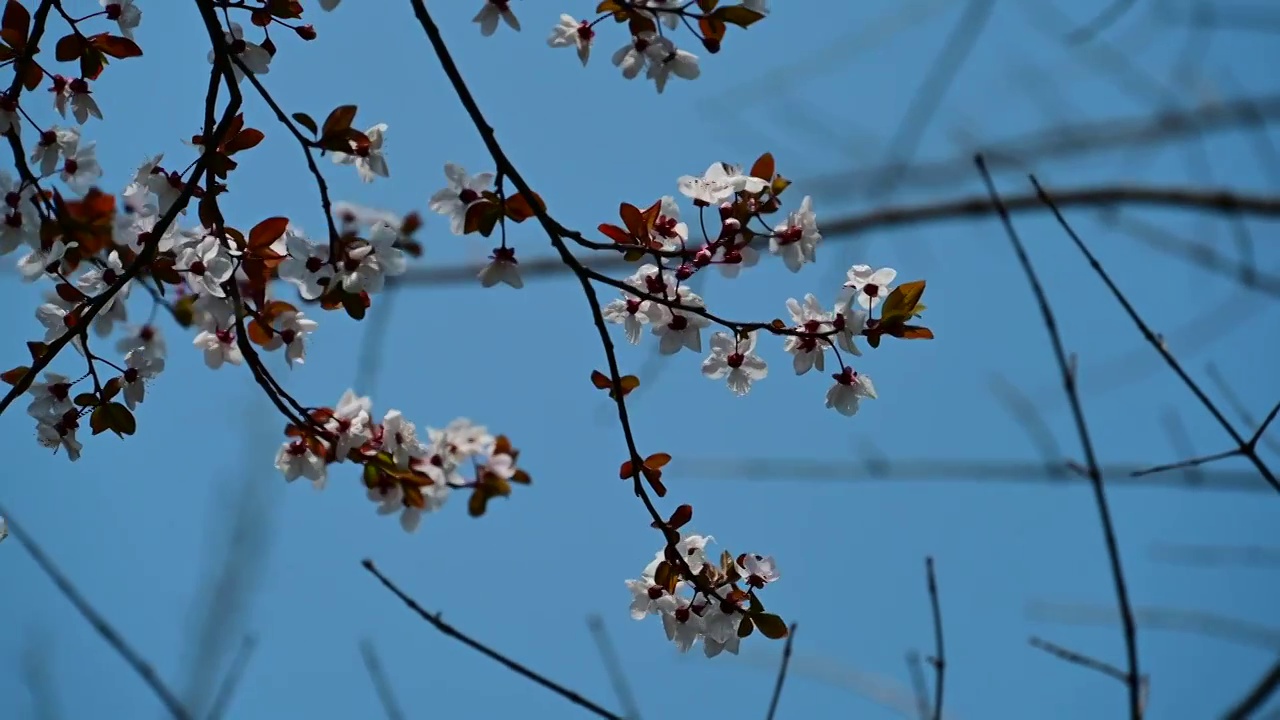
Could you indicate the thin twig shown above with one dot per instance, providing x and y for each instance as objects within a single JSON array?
[
  {"x": 613, "y": 666},
  {"x": 381, "y": 683},
  {"x": 1091, "y": 460},
  {"x": 939, "y": 659},
  {"x": 1257, "y": 695},
  {"x": 100, "y": 625},
  {"x": 449, "y": 631},
  {"x": 1248, "y": 448},
  {"x": 782, "y": 673},
  {"x": 1091, "y": 663},
  {"x": 231, "y": 681}
]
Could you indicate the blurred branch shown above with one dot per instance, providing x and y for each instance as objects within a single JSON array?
[
  {"x": 449, "y": 631},
  {"x": 919, "y": 686},
  {"x": 1193, "y": 555},
  {"x": 1086, "y": 443},
  {"x": 1202, "y": 256},
  {"x": 1069, "y": 140},
  {"x": 381, "y": 684},
  {"x": 231, "y": 681},
  {"x": 1109, "y": 16},
  {"x": 38, "y": 676},
  {"x": 1216, "y": 200},
  {"x": 782, "y": 673},
  {"x": 1060, "y": 474},
  {"x": 613, "y": 666},
  {"x": 99, "y": 624},
  {"x": 1152, "y": 617}
]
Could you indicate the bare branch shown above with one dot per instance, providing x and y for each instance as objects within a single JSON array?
[
  {"x": 1246, "y": 447},
  {"x": 939, "y": 659},
  {"x": 782, "y": 673},
  {"x": 449, "y": 631},
  {"x": 1095, "y": 475}
]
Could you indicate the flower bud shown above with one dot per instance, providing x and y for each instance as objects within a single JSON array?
[{"x": 306, "y": 32}]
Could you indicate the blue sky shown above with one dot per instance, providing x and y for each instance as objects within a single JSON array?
[{"x": 144, "y": 526}]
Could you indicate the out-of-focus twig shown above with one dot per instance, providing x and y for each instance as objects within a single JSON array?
[
  {"x": 381, "y": 683},
  {"x": 613, "y": 666},
  {"x": 231, "y": 681},
  {"x": 99, "y": 623}
]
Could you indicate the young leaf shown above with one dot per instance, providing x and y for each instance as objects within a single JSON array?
[
  {"x": 339, "y": 120},
  {"x": 770, "y": 625},
  {"x": 306, "y": 121},
  {"x": 763, "y": 167}
]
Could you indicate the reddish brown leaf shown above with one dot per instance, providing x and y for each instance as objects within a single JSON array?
[
  {"x": 339, "y": 120},
  {"x": 115, "y": 46},
  {"x": 16, "y": 24},
  {"x": 69, "y": 47},
  {"x": 627, "y": 470},
  {"x": 634, "y": 221},
  {"x": 616, "y": 234},
  {"x": 657, "y": 461},
  {"x": 680, "y": 517},
  {"x": 267, "y": 232},
  {"x": 600, "y": 380},
  {"x": 519, "y": 209},
  {"x": 13, "y": 376},
  {"x": 763, "y": 167},
  {"x": 248, "y": 138}
]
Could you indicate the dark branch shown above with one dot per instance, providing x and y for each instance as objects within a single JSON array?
[
  {"x": 782, "y": 673},
  {"x": 449, "y": 631},
  {"x": 1095, "y": 474},
  {"x": 939, "y": 659}
]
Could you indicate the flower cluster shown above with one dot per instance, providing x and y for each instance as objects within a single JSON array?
[
  {"x": 717, "y": 604},
  {"x": 245, "y": 290},
  {"x": 402, "y": 472}
]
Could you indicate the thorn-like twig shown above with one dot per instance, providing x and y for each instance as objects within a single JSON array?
[
  {"x": 939, "y": 659},
  {"x": 100, "y": 625},
  {"x": 782, "y": 673},
  {"x": 449, "y": 631},
  {"x": 381, "y": 684},
  {"x": 1091, "y": 460}
]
